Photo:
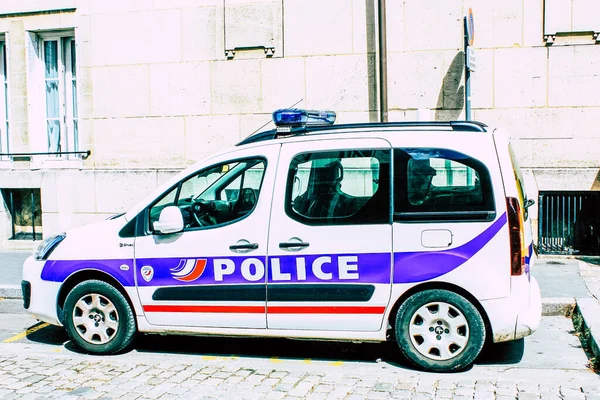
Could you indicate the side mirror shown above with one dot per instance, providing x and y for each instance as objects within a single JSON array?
[
  {"x": 170, "y": 221},
  {"x": 529, "y": 203}
]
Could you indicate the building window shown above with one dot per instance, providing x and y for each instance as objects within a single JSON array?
[
  {"x": 567, "y": 17},
  {"x": 4, "y": 126},
  {"x": 60, "y": 84},
  {"x": 256, "y": 25}
]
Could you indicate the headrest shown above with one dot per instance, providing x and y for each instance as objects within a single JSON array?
[
  {"x": 421, "y": 167},
  {"x": 331, "y": 172}
]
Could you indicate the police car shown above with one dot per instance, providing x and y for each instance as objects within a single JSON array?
[{"x": 416, "y": 232}]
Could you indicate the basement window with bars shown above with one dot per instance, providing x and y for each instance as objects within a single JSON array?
[
  {"x": 569, "y": 223},
  {"x": 25, "y": 210}
]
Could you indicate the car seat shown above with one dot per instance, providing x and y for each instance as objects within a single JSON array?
[{"x": 324, "y": 190}]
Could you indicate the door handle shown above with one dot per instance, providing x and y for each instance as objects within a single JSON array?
[
  {"x": 247, "y": 246},
  {"x": 293, "y": 246},
  {"x": 243, "y": 247}
]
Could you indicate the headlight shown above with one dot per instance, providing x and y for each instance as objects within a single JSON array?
[{"x": 47, "y": 246}]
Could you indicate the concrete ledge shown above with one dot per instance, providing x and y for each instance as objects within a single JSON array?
[
  {"x": 558, "y": 306},
  {"x": 588, "y": 309},
  {"x": 10, "y": 292},
  {"x": 19, "y": 245}
]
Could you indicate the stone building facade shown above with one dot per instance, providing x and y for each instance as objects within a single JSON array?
[{"x": 149, "y": 87}]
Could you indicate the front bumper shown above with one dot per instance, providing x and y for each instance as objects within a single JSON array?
[
  {"x": 43, "y": 295},
  {"x": 26, "y": 290}
]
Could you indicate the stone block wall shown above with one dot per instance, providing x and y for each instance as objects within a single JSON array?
[{"x": 157, "y": 90}]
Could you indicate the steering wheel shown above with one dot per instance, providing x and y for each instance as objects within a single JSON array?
[{"x": 201, "y": 211}]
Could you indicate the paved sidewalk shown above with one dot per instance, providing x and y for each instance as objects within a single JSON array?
[
  {"x": 589, "y": 268},
  {"x": 11, "y": 266},
  {"x": 589, "y": 308},
  {"x": 11, "y": 263}
]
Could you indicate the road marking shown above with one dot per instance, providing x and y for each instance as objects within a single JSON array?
[
  {"x": 275, "y": 360},
  {"x": 336, "y": 363},
  {"x": 27, "y": 332}
]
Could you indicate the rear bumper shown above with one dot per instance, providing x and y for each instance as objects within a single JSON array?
[
  {"x": 517, "y": 315},
  {"x": 528, "y": 320}
]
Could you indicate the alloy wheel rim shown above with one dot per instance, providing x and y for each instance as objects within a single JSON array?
[
  {"x": 95, "y": 318},
  {"x": 439, "y": 331}
]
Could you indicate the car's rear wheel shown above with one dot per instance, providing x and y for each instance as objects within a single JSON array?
[
  {"x": 98, "y": 318},
  {"x": 439, "y": 331}
]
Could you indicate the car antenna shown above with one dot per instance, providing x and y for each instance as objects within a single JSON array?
[{"x": 268, "y": 122}]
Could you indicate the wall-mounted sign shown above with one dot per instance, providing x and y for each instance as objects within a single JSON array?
[
  {"x": 471, "y": 59},
  {"x": 470, "y": 28}
]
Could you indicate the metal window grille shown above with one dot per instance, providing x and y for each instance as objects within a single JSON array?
[
  {"x": 569, "y": 223},
  {"x": 25, "y": 209}
]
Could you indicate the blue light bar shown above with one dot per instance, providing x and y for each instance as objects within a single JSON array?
[{"x": 291, "y": 117}]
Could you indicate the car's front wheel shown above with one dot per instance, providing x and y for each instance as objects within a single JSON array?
[
  {"x": 439, "y": 331},
  {"x": 98, "y": 318}
]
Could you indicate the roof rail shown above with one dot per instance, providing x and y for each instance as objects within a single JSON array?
[{"x": 462, "y": 126}]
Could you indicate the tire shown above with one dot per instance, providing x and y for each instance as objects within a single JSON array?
[
  {"x": 98, "y": 318},
  {"x": 439, "y": 331}
]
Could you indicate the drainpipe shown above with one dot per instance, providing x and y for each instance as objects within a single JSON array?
[{"x": 383, "y": 95}]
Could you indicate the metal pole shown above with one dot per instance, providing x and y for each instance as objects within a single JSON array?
[
  {"x": 83, "y": 154},
  {"x": 383, "y": 92},
  {"x": 467, "y": 76},
  {"x": 541, "y": 224},
  {"x": 12, "y": 212},
  {"x": 32, "y": 215}
]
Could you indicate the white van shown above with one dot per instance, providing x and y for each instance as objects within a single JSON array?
[{"x": 411, "y": 231}]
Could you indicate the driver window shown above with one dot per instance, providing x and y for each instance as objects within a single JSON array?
[
  {"x": 250, "y": 180},
  {"x": 195, "y": 187},
  {"x": 168, "y": 200},
  {"x": 215, "y": 196}
]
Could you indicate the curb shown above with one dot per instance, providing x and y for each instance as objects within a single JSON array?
[
  {"x": 10, "y": 292},
  {"x": 558, "y": 306},
  {"x": 587, "y": 315}
]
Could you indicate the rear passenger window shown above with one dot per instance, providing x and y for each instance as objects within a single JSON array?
[
  {"x": 441, "y": 184},
  {"x": 339, "y": 187}
]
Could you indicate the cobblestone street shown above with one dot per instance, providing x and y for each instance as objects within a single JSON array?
[
  {"x": 35, "y": 377},
  {"x": 38, "y": 362},
  {"x": 549, "y": 365}
]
